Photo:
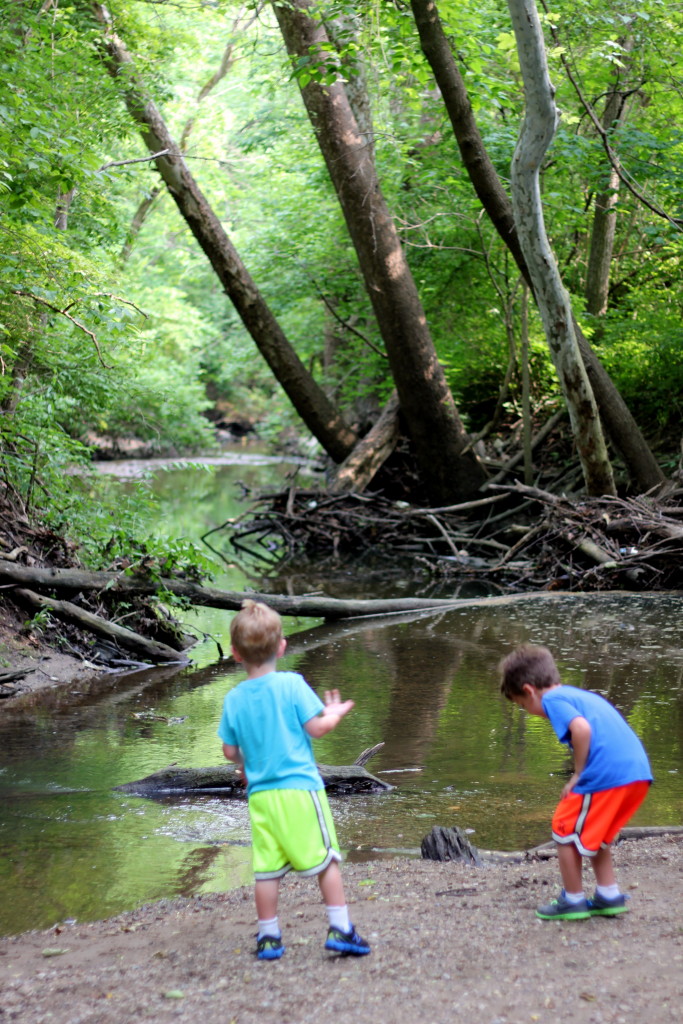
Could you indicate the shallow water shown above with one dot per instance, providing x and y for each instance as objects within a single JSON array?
[{"x": 456, "y": 752}]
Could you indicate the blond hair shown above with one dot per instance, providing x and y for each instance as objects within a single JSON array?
[
  {"x": 256, "y": 632},
  {"x": 527, "y": 664}
]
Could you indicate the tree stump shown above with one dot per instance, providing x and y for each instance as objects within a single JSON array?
[{"x": 450, "y": 844}]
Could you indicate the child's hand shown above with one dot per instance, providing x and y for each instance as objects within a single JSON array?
[
  {"x": 334, "y": 705},
  {"x": 569, "y": 786}
]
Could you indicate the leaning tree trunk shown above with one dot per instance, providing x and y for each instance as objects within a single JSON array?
[
  {"x": 309, "y": 400},
  {"x": 147, "y": 203},
  {"x": 605, "y": 215},
  {"x": 620, "y": 424},
  {"x": 538, "y": 130},
  {"x": 431, "y": 418}
]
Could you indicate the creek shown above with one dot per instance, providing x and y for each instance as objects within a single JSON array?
[{"x": 425, "y": 685}]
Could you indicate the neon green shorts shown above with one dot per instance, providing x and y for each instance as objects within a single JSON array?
[{"x": 291, "y": 830}]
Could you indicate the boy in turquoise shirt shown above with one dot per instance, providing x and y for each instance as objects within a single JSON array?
[{"x": 266, "y": 728}]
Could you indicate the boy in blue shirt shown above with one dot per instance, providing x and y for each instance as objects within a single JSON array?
[
  {"x": 266, "y": 728},
  {"x": 610, "y": 780}
]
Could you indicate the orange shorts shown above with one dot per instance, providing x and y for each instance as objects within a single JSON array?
[{"x": 592, "y": 820}]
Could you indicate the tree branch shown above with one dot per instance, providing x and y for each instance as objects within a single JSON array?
[{"x": 64, "y": 313}]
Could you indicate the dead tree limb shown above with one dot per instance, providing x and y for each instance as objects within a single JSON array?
[
  {"x": 151, "y": 650},
  {"x": 358, "y": 468},
  {"x": 224, "y": 779}
]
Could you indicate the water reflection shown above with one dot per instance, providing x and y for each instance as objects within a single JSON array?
[
  {"x": 425, "y": 685},
  {"x": 70, "y": 846}
]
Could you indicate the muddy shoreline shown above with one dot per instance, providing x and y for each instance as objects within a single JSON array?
[{"x": 450, "y": 942}]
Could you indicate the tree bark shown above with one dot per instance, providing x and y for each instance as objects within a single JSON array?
[
  {"x": 357, "y": 471},
  {"x": 427, "y": 405},
  {"x": 605, "y": 217},
  {"x": 536, "y": 135},
  {"x": 624, "y": 432},
  {"x": 309, "y": 400}
]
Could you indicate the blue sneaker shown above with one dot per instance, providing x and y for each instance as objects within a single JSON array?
[
  {"x": 562, "y": 910},
  {"x": 598, "y": 906},
  {"x": 346, "y": 942},
  {"x": 269, "y": 947}
]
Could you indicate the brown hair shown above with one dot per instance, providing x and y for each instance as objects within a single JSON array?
[
  {"x": 527, "y": 664},
  {"x": 255, "y": 632}
]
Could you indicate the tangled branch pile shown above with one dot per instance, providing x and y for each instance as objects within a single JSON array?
[
  {"x": 89, "y": 626},
  {"x": 520, "y": 536}
]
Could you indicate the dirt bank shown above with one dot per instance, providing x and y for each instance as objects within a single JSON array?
[
  {"x": 450, "y": 943},
  {"x": 29, "y": 665}
]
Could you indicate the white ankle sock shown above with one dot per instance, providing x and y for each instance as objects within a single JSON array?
[
  {"x": 270, "y": 927},
  {"x": 608, "y": 892},
  {"x": 339, "y": 918},
  {"x": 574, "y": 897}
]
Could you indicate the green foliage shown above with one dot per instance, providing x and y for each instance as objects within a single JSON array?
[{"x": 92, "y": 343}]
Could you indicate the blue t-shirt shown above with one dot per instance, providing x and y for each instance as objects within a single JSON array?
[
  {"x": 265, "y": 718},
  {"x": 616, "y": 756}
]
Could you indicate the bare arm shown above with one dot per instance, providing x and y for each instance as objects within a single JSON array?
[
  {"x": 233, "y": 754},
  {"x": 580, "y": 732},
  {"x": 330, "y": 717}
]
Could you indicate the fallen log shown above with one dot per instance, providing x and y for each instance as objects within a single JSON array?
[
  {"x": 152, "y": 650},
  {"x": 452, "y": 844},
  {"x": 224, "y": 780},
  {"x": 329, "y": 608}
]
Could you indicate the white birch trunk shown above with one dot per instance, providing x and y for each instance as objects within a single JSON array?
[{"x": 537, "y": 132}]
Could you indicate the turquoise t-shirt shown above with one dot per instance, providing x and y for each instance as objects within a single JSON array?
[
  {"x": 265, "y": 718},
  {"x": 616, "y": 756}
]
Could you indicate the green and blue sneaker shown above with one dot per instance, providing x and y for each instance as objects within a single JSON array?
[
  {"x": 562, "y": 909},
  {"x": 269, "y": 947},
  {"x": 346, "y": 942},
  {"x": 598, "y": 906}
]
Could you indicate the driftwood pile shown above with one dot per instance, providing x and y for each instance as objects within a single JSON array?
[
  {"x": 522, "y": 539},
  {"x": 516, "y": 535},
  {"x": 93, "y": 623}
]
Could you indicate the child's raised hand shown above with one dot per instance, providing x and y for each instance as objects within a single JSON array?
[{"x": 334, "y": 705}]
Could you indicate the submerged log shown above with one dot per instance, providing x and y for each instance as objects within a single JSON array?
[
  {"x": 451, "y": 844},
  {"x": 224, "y": 780}
]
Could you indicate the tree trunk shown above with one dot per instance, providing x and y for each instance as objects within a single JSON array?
[
  {"x": 431, "y": 417},
  {"x": 605, "y": 217},
  {"x": 619, "y": 423},
  {"x": 64, "y": 201},
  {"x": 309, "y": 400},
  {"x": 357, "y": 471},
  {"x": 139, "y": 218},
  {"x": 146, "y": 204},
  {"x": 536, "y": 135},
  {"x": 344, "y": 28}
]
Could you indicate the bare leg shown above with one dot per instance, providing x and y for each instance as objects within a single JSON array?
[
  {"x": 266, "y": 893},
  {"x": 603, "y": 867},
  {"x": 331, "y": 886},
  {"x": 570, "y": 867}
]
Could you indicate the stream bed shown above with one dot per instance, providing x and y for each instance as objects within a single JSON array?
[{"x": 456, "y": 752}]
